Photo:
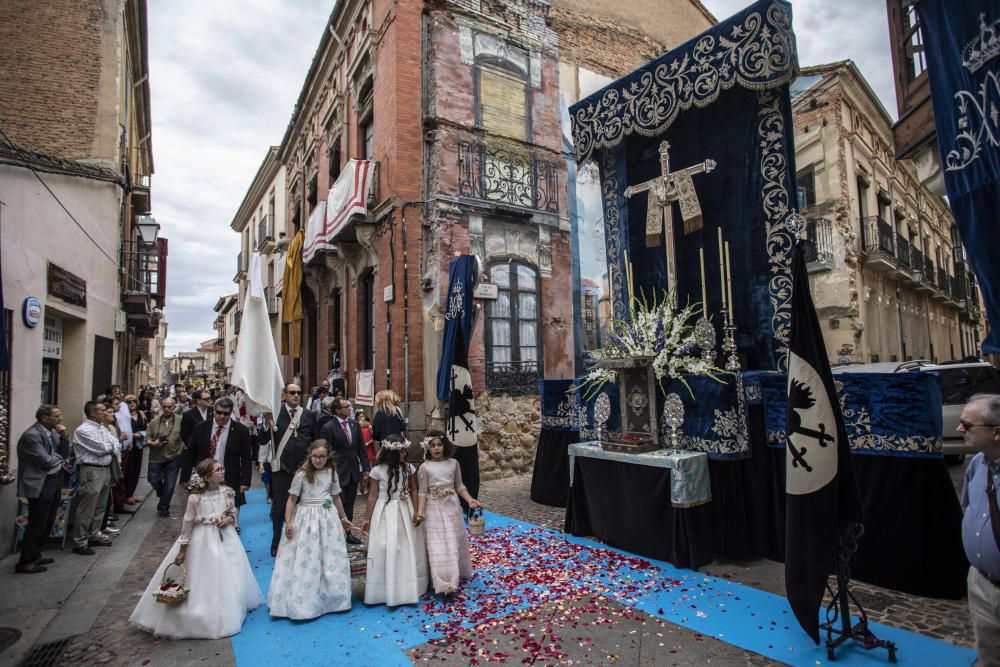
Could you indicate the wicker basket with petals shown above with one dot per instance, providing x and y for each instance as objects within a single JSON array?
[{"x": 172, "y": 592}]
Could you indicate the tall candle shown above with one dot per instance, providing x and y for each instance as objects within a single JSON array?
[
  {"x": 729, "y": 284},
  {"x": 704, "y": 299},
  {"x": 722, "y": 272}
]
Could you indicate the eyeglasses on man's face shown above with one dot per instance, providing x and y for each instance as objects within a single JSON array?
[
  {"x": 292, "y": 392},
  {"x": 967, "y": 425},
  {"x": 223, "y": 413}
]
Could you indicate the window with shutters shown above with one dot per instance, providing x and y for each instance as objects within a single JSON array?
[{"x": 502, "y": 99}]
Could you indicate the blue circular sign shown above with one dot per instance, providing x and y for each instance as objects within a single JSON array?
[{"x": 31, "y": 313}]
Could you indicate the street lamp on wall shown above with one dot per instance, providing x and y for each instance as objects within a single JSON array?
[{"x": 148, "y": 228}]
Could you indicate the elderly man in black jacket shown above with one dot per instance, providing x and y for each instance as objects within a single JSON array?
[
  {"x": 41, "y": 451},
  {"x": 284, "y": 444}
]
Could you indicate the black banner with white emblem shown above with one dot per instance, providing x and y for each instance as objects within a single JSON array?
[{"x": 822, "y": 491}]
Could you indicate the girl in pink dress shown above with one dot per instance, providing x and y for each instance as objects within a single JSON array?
[{"x": 439, "y": 483}]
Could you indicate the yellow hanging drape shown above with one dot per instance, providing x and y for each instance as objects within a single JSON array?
[{"x": 291, "y": 299}]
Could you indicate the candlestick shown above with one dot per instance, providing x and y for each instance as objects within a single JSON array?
[
  {"x": 722, "y": 272},
  {"x": 729, "y": 283},
  {"x": 704, "y": 298}
]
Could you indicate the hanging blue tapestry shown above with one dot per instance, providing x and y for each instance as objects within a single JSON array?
[
  {"x": 962, "y": 42},
  {"x": 722, "y": 97}
]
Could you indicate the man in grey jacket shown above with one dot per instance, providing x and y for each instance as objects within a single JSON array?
[{"x": 41, "y": 451}]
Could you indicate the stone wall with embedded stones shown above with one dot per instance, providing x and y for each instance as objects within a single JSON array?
[{"x": 508, "y": 433}]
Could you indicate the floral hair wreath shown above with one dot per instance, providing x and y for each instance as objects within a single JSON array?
[
  {"x": 390, "y": 444},
  {"x": 196, "y": 481},
  {"x": 426, "y": 443}
]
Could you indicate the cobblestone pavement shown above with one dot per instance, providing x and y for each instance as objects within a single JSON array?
[{"x": 112, "y": 641}]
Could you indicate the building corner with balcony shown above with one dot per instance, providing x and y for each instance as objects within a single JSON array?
[
  {"x": 887, "y": 268},
  {"x": 83, "y": 272}
]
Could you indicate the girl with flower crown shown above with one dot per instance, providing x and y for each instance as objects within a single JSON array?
[
  {"x": 397, "y": 557},
  {"x": 312, "y": 573},
  {"x": 439, "y": 481},
  {"x": 222, "y": 586}
]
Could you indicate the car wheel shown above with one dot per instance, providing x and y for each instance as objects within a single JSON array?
[{"x": 954, "y": 459}]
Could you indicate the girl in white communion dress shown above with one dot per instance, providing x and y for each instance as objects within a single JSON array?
[{"x": 222, "y": 585}]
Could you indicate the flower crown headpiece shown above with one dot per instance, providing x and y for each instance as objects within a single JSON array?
[
  {"x": 391, "y": 444},
  {"x": 196, "y": 481}
]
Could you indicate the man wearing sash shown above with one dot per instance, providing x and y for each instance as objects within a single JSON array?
[{"x": 284, "y": 444}]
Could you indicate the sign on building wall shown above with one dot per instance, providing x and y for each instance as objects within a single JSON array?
[
  {"x": 52, "y": 338},
  {"x": 69, "y": 287}
]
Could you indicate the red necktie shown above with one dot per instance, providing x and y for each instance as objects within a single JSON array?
[{"x": 214, "y": 443}]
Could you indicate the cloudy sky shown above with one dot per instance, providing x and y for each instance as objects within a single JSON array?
[{"x": 224, "y": 77}]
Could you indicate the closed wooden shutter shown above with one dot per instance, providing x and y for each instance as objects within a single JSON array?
[{"x": 502, "y": 102}]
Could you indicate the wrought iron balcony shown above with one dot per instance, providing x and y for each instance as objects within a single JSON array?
[
  {"x": 516, "y": 178},
  {"x": 271, "y": 299},
  {"x": 265, "y": 234},
  {"x": 819, "y": 250},
  {"x": 241, "y": 266},
  {"x": 143, "y": 285},
  {"x": 943, "y": 284},
  {"x": 513, "y": 378},
  {"x": 959, "y": 285},
  {"x": 902, "y": 250},
  {"x": 930, "y": 275},
  {"x": 878, "y": 244}
]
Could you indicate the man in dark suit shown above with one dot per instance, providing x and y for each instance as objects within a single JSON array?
[
  {"x": 284, "y": 444},
  {"x": 41, "y": 451},
  {"x": 228, "y": 442},
  {"x": 196, "y": 414},
  {"x": 343, "y": 435}
]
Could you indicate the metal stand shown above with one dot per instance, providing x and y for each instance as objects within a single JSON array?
[
  {"x": 733, "y": 366},
  {"x": 839, "y": 607}
]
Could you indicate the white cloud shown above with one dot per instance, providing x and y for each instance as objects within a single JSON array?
[
  {"x": 827, "y": 32},
  {"x": 224, "y": 77}
]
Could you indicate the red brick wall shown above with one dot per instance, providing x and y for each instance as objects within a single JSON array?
[{"x": 50, "y": 69}]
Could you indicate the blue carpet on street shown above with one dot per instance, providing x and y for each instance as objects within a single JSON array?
[{"x": 519, "y": 565}]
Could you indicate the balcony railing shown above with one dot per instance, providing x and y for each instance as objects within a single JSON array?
[
  {"x": 271, "y": 299},
  {"x": 902, "y": 250},
  {"x": 916, "y": 259},
  {"x": 265, "y": 233},
  {"x": 141, "y": 267},
  {"x": 513, "y": 378},
  {"x": 930, "y": 276},
  {"x": 516, "y": 178},
  {"x": 878, "y": 235},
  {"x": 959, "y": 284},
  {"x": 819, "y": 250},
  {"x": 241, "y": 265},
  {"x": 944, "y": 280}
]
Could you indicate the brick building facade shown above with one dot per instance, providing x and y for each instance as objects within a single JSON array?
[{"x": 460, "y": 106}]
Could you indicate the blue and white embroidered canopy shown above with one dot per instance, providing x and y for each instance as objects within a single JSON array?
[{"x": 721, "y": 96}]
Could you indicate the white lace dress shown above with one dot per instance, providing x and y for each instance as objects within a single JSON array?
[
  {"x": 444, "y": 527},
  {"x": 222, "y": 585},
  {"x": 312, "y": 574},
  {"x": 397, "y": 556}
]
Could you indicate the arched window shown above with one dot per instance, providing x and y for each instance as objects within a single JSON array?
[{"x": 513, "y": 339}]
